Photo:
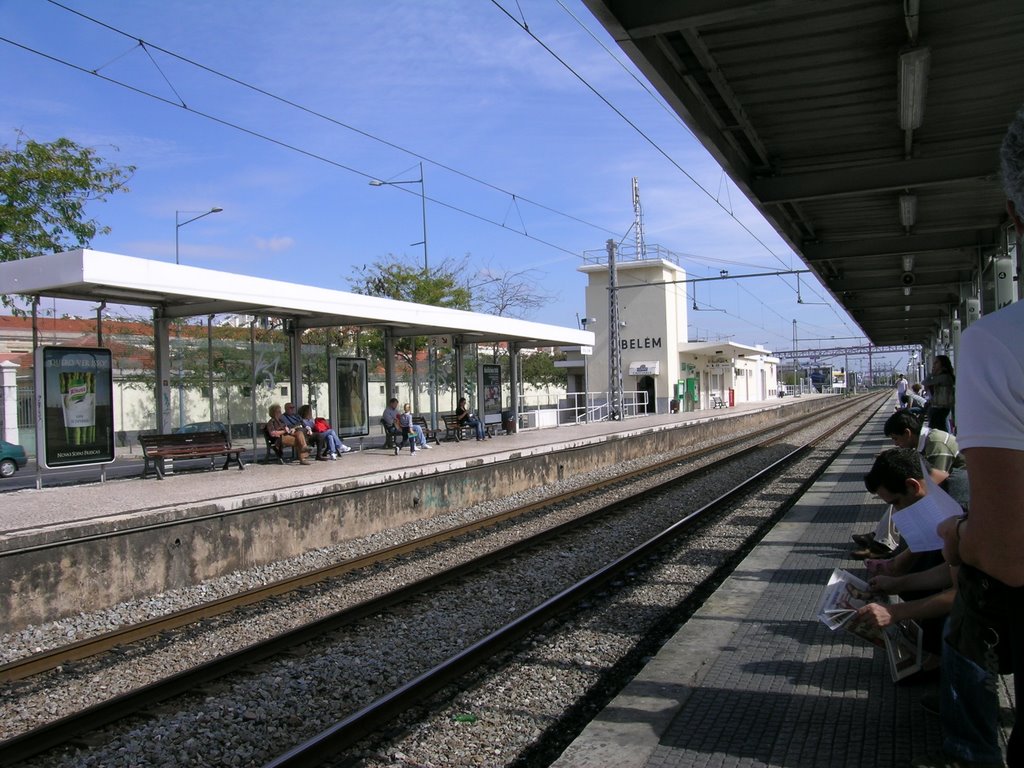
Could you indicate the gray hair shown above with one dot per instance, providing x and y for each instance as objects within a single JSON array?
[{"x": 1011, "y": 156}]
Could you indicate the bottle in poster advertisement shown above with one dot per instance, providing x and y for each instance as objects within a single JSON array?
[{"x": 77, "y": 388}]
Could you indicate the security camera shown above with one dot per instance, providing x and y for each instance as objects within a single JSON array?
[{"x": 907, "y": 278}]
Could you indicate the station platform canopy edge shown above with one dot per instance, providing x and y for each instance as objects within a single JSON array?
[{"x": 178, "y": 290}]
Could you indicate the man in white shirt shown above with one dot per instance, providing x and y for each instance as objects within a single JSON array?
[{"x": 986, "y": 627}]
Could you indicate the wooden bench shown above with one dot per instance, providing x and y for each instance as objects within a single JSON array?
[
  {"x": 717, "y": 402},
  {"x": 453, "y": 430},
  {"x": 156, "y": 449}
]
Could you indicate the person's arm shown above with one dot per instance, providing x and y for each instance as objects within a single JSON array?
[
  {"x": 994, "y": 538},
  {"x": 934, "y": 578},
  {"x": 881, "y": 615}
]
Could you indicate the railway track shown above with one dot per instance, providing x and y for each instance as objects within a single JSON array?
[{"x": 51, "y": 735}]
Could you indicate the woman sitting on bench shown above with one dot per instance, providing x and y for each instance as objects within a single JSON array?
[{"x": 465, "y": 418}]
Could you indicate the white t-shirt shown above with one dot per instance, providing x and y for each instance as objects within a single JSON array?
[{"x": 990, "y": 382}]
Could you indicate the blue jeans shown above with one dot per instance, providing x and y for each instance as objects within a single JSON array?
[
  {"x": 475, "y": 424},
  {"x": 417, "y": 432},
  {"x": 333, "y": 441},
  {"x": 969, "y": 707}
]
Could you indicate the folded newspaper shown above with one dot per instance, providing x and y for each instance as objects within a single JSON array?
[{"x": 844, "y": 595}]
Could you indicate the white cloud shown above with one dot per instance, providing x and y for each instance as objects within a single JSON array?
[{"x": 274, "y": 244}]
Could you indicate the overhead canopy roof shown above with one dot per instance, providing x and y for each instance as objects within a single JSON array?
[
  {"x": 183, "y": 291},
  {"x": 798, "y": 100}
]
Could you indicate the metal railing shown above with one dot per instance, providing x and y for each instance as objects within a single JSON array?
[{"x": 579, "y": 408}]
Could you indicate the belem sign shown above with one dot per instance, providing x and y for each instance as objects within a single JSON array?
[{"x": 648, "y": 342}]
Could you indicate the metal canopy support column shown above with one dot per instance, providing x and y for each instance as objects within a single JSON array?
[
  {"x": 513, "y": 374},
  {"x": 162, "y": 354},
  {"x": 458, "y": 349},
  {"x": 252, "y": 383},
  {"x": 209, "y": 362},
  {"x": 389, "y": 364},
  {"x": 295, "y": 359}
]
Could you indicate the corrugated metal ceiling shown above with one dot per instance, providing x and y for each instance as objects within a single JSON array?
[{"x": 799, "y": 103}]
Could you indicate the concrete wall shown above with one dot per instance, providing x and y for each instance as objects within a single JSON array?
[{"x": 55, "y": 579}]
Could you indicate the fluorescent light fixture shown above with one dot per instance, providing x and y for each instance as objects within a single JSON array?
[
  {"x": 908, "y": 211},
  {"x": 906, "y": 307},
  {"x": 913, "y": 84},
  {"x": 906, "y": 290},
  {"x": 908, "y": 262}
]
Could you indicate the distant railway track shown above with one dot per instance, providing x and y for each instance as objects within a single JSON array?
[{"x": 59, "y": 732}]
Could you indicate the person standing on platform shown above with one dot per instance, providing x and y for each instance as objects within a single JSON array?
[
  {"x": 986, "y": 626},
  {"x": 941, "y": 384},
  {"x": 901, "y": 392}
]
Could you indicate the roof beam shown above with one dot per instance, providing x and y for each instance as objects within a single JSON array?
[
  {"x": 831, "y": 250},
  {"x": 902, "y": 174}
]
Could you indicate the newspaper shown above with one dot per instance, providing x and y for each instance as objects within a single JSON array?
[{"x": 844, "y": 595}]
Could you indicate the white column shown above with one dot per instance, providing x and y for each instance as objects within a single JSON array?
[{"x": 9, "y": 398}]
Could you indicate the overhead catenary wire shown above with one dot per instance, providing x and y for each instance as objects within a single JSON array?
[
  {"x": 146, "y": 45},
  {"x": 515, "y": 199}
]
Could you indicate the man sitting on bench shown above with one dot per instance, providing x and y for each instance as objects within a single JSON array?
[{"x": 284, "y": 435}]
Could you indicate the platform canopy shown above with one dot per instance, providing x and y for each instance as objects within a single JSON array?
[{"x": 177, "y": 291}]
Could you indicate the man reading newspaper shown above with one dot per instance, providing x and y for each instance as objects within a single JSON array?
[{"x": 918, "y": 575}]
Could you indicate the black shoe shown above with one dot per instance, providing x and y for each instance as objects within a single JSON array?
[
  {"x": 930, "y": 703},
  {"x": 863, "y": 539}
]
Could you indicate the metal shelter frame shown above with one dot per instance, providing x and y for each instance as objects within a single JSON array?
[{"x": 176, "y": 291}]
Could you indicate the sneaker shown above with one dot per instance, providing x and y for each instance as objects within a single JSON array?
[
  {"x": 345, "y": 449},
  {"x": 396, "y": 450},
  {"x": 425, "y": 447},
  {"x": 333, "y": 457},
  {"x": 942, "y": 760}
]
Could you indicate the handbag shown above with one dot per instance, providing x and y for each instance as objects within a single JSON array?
[{"x": 320, "y": 424}]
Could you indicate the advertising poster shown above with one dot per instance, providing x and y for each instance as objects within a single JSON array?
[
  {"x": 75, "y": 388},
  {"x": 351, "y": 387},
  {"x": 490, "y": 388}
]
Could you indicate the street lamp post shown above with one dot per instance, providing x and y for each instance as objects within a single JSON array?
[
  {"x": 423, "y": 204},
  {"x": 179, "y": 224}
]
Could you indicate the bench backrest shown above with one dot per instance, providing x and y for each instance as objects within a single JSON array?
[{"x": 184, "y": 439}]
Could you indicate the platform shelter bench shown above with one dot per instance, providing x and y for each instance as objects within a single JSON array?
[
  {"x": 157, "y": 449},
  {"x": 717, "y": 402},
  {"x": 453, "y": 430}
]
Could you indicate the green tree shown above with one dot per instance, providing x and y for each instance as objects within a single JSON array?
[
  {"x": 540, "y": 371},
  {"x": 397, "y": 278},
  {"x": 45, "y": 189}
]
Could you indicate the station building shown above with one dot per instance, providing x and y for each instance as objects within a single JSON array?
[{"x": 659, "y": 364}]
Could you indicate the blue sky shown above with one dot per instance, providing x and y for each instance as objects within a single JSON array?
[{"x": 500, "y": 125}]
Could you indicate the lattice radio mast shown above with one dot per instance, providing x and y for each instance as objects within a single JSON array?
[{"x": 638, "y": 221}]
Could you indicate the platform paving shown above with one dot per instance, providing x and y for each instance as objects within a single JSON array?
[
  {"x": 57, "y": 510},
  {"x": 754, "y": 679}
]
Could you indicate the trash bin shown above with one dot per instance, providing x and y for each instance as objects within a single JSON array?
[
  {"x": 732, "y": 398},
  {"x": 507, "y": 422}
]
